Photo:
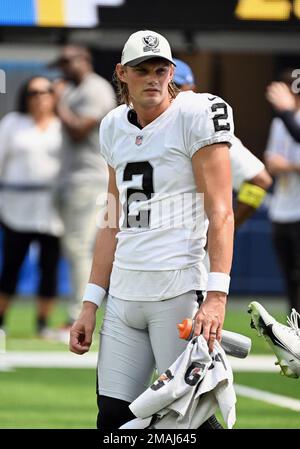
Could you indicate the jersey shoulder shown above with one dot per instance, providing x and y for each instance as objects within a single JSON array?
[
  {"x": 114, "y": 118},
  {"x": 109, "y": 130},
  {"x": 206, "y": 120},
  {"x": 191, "y": 103}
]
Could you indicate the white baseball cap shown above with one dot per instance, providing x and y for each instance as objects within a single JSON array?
[{"x": 144, "y": 45}]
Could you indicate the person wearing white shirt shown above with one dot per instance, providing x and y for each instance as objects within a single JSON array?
[
  {"x": 282, "y": 158},
  {"x": 30, "y": 145},
  {"x": 83, "y": 101}
]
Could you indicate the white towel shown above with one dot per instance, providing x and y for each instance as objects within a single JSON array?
[{"x": 189, "y": 392}]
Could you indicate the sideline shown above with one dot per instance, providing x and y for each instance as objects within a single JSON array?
[
  {"x": 270, "y": 398},
  {"x": 53, "y": 359},
  {"x": 60, "y": 359}
]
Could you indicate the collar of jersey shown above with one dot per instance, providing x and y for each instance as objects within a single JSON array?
[{"x": 158, "y": 119}]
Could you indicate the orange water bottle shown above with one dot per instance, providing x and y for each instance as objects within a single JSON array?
[{"x": 234, "y": 344}]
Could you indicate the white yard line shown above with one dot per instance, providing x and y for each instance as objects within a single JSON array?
[
  {"x": 254, "y": 363},
  {"x": 60, "y": 359},
  {"x": 54, "y": 359},
  {"x": 270, "y": 398}
]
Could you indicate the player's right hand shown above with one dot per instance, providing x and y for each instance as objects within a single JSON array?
[
  {"x": 81, "y": 334},
  {"x": 209, "y": 318}
]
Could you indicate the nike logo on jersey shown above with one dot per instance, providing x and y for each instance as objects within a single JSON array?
[{"x": 212, "y": 99}]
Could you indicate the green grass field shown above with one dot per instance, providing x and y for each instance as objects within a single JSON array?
[{"x": 65, "y": 398}]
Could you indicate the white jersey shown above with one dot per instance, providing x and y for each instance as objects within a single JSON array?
[
  {"x": 154, "y": 171},
  {"x": 244, "y": 165}
]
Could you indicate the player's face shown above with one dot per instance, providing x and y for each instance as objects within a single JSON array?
[{"x": 148, "y": 82}]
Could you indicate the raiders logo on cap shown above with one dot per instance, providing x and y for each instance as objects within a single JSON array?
[
  {"x": 143, "y": 45},
  {"x": 151, "y": 43}
]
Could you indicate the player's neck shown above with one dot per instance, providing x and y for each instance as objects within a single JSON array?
[{"x": 146, "y": 115}]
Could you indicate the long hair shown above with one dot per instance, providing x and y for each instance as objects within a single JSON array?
[{"x": 123, "y": 93}]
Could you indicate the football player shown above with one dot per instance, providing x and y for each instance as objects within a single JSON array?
[{"x": 169, "y": 168}]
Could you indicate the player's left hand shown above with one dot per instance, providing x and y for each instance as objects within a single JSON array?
[{"x": 210, "y": 317}]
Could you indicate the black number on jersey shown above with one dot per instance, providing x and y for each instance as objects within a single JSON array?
[
  {"x": 142, "y": 219},
  {"x": 217, "y": 117}
]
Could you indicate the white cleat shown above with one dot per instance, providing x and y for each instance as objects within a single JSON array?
[{"x": 283, "y": 340}]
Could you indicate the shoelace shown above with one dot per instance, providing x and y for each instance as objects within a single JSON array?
[{"x": 293, "y": 321}]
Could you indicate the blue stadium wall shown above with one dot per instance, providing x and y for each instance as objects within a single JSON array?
[{"x": 255, "y": 268}]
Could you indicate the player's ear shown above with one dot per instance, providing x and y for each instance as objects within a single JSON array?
[{"x": 121, "y": 72}]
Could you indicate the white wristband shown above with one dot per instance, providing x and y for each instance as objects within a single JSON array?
[
  {"x": 218, "y": 282},
  {"x": 94, "y": 293}
]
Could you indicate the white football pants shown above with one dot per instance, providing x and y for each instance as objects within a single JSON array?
[{"x": 137, "y": 337}]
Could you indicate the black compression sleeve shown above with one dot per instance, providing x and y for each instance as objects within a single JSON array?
[{"x": 288, "y": 117}]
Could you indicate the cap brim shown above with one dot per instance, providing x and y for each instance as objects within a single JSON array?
[{"x": 138, "y": 61}]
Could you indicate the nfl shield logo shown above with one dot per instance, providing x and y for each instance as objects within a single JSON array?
[{"x": 139, "y": 140}]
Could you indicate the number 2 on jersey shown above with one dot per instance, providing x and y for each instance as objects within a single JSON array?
[
  {"x": 142, "y": 219},
  {"x": 218, "y": 126}
]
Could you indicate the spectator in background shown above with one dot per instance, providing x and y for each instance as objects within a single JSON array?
[
  {"x": 183, "y": 76},
  {"x": 30, "y": 144},
  {"x": 286, "y": 105},
  {"x": 84, "y": 100},
  {"x": 283, "y": 162},
  {"x": 250, "y": 179}
]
